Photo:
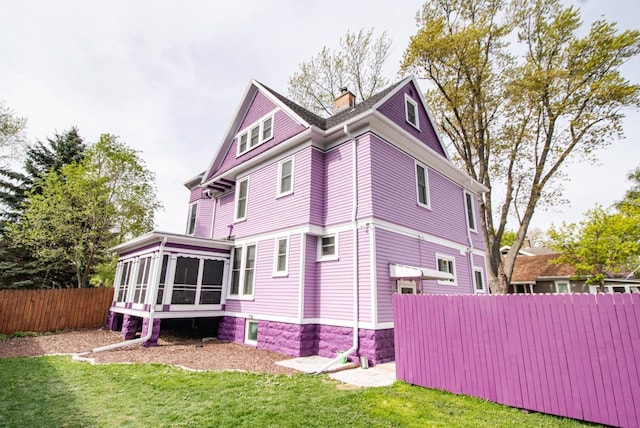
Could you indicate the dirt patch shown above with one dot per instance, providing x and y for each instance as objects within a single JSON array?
[{"x": 191, "y": 353}]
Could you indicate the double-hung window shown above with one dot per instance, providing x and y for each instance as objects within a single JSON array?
[
  {"x": 282, "y": 257},
  {"x": 255, "y": 134},
  {"x": 447, "y": 264},
  {"x": 243, "y": 272},
  {"x": 469, "y": 208},
  {"x": 285, "y": 177},
  {"x": 422, "y": 185},
  {"x": 562, "y": 287},
  {"x": 411, "y": 111},
  {"x": 193, "y": 213},
  {"x": 242, "y": 193}
]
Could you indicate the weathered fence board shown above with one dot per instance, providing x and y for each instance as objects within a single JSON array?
[
  {"x": 568, "y": 355},
  {"x": 51, "y": 310}
]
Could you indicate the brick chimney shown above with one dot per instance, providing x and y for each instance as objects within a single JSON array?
[{"x": 346, "y": 100}]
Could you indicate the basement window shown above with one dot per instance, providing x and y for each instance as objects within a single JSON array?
[{"x": 251, "y": 333}]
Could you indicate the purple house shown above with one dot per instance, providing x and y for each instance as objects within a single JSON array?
[{"x": 302, "y": 228}]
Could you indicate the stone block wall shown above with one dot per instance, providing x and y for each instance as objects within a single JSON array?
[
  {"x": 155, "y": 332},
  {"x": 301, "y": 340},
  {"x": 129, "y": 327}
]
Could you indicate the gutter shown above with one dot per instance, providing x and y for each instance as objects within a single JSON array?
[
  {"x": 354, "y": 214},
  {"x": 152, "y": 310}
]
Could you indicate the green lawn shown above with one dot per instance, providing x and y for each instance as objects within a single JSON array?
[{"x": 56, "y": 392}]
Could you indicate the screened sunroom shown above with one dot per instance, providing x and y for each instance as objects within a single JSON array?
[{"x": 178, "y": 276}]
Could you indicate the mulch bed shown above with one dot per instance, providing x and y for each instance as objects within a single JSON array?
[{"x": 187, "y": 352}]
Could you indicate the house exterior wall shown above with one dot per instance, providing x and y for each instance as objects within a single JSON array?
[
  {"x": 274, "y": 296},
  {"x": 266, "y": 212},
  {"x": 394, "y": 109},
  {"x": 402, "y": 248}
]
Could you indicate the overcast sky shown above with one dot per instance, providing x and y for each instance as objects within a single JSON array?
[{"x": 166, "y": 76}]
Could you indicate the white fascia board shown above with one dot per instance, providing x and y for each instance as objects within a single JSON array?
[{"x": 174, "y": 238}]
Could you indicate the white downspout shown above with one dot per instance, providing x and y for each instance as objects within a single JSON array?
[
  {"x": 471, "y": 248},
  {"x": 354, "y": 214},
  {"x": 152, "y": 311}
]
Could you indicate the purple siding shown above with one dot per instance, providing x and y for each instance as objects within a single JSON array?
[
  {"x": 274, "y": 296},
  {"x": 284, "y": 127},
  {"x": 364, "y": 277},
  {"x": 401, "y": 249},
  {"x": 311, "y": 286},
  {"x": 334, "y": 294},
  {"x": 316, "y": 192},
  {"x": 203, "y": 218},
  {"x": 579, "y": 361},
  {"x": 338, "y": 185},
  {"x": 265, "y": 211},
  {"x": 394, "y": 109},
  {"x": 195, "y": 194},
  {"x": 394, "y": 195}
]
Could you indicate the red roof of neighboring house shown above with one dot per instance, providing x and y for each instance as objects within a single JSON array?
[{"x": 530, "y": 268}]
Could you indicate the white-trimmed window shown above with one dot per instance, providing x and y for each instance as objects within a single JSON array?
[
  {"x": 478, "y": 281},
  {"x": 251, "y": 333},
  {"x": 422, "y": 185},
  {"x": 281, "y": 262},
  {"x": 243, "y": 272},
  {"x": 163, "y": 279},
  {"x": 446, "y": 264},
  {"x": 285, "y": 177},
  {"x": 470, "y": 210},
  {"x": 193, "y": 214},
  {"x": 562, "y": 287},
  {"x": 411, "y": 111},
  {"x": 255, "y": 134},
  {"x": 328, "y": 247},
  {"x": 242, "y": 194}
]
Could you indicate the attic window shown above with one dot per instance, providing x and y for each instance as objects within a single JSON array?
[
  {"x": 255, "y": 134},
  {"x": 411, "y": 111}
]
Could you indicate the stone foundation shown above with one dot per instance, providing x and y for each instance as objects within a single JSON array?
[
  {"x": 129, "y": 327},
  {"x": 114, "y": 321},
  {"x": 312, "y": 339},
  {"x": 155, "y": 332}
]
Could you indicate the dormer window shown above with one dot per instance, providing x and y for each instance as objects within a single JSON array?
[
  {"x": 255, "y": 134},
  {"x": 411, "y": 111}
]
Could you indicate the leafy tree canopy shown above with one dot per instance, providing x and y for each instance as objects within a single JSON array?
[
  {"x": 87, "y": 207},
  {"x": 11, "y": 133},
  {"x": 357, "y": 66},
  {"x": 515, "y": 116}
]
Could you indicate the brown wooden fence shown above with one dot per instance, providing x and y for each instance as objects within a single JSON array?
[
  {"x": 568, "y": 355},
  {"x": 51, "y": 310}
]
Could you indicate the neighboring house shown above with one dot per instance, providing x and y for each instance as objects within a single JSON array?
[
  {"x": 302, "y": 228},
  {"x": 538, "y": 274}
]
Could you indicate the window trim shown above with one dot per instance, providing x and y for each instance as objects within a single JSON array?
[
  {"x": 409, "y": 100},
  {"x": 279, "y": 192},
  {"x": 451, "y": 259},
  {"x": 242, "y": 271},
  {"x": 284, "y": 272},
  {"x": 148, "y": 261},
  {"x": 483, "y": 289},
  {"x": 237, "y": 200},
  {"x": 470, "y": 215},
  {"x": 192, "y": 220},
  {"x": 246, "y": 332},
  {"x": 323, "y": 258},
  {"x": 426, "y": 185},
  {"x": 557, "y": 283},
  {"x": 247, "y": 130}
]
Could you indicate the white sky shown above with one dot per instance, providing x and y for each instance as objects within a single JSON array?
[{"x": 166, "y": 76}]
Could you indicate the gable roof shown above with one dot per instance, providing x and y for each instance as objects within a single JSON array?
[
  {"x": 326, "y": 126},
  {"x": 530, "y": 268}
]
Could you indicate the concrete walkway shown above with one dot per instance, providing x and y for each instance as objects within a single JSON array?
[{"x": 379, "y": 375}]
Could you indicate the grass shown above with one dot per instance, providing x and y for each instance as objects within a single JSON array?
[{"x": 56, "y": 392}]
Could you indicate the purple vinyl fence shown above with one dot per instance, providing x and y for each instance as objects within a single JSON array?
[{"x": 569, "y": 355}]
